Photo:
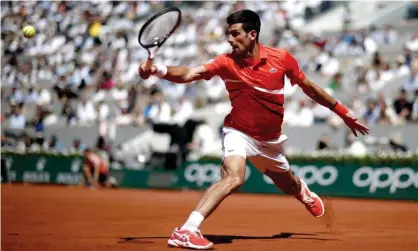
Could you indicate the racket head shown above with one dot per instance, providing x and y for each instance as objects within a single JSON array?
[{"x": 158, "y": 28}]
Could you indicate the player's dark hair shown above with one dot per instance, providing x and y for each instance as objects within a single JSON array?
[{"x": 249, "y": 19}]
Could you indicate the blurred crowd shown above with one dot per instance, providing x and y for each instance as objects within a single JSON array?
[{"x": 81, "y": 67}]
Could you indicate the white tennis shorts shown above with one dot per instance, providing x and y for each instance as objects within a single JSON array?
[{"x": 262, "y": 154}]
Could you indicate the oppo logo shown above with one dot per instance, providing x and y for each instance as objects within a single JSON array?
[
  {"x": 385, "y": 177},
  {"x": 324, "y": 176},
  {"x": 206, "y": 173}
]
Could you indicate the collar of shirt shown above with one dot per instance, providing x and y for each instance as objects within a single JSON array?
[{"x": 262, "y": 56}]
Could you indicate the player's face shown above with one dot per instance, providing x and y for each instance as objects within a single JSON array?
[{"x": 240, "y": 40}]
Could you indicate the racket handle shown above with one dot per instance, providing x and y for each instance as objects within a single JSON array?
[{"x": 148, "y": 64}]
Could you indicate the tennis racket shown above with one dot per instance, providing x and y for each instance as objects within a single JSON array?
[{"x": 157, "y": 30}]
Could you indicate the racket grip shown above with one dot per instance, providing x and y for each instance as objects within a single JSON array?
[{"x": 148, "y": 64}]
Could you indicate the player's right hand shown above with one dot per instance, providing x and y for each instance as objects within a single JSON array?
[{"x": 146, "y": 73}]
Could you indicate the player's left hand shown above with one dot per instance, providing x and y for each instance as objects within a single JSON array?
[{"x": 355, "y": 125}]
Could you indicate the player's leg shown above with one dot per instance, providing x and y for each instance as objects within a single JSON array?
[
  {"x": 104, "y": 180},
  {"x": 88, "y": 174},
  {"x": 292, "y": 185},
  {"x": 274, "y": 164},
  {"x": 233, "y": 176},
  {"x": 189, "y": 236}
]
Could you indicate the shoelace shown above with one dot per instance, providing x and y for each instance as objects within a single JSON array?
[{"x": 199, "y": 233}]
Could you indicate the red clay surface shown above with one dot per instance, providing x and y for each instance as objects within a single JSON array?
[{"x": 77, "y": 219}]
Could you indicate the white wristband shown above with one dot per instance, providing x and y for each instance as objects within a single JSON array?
[{"x": 161, "y": 70}]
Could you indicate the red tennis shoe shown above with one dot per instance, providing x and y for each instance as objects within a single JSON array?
[
  {"x": 183, "y": 238},
  {"x": 311, "y": 201}
]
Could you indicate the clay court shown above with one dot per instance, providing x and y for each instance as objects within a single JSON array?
[{"x": 77, "y": 219}]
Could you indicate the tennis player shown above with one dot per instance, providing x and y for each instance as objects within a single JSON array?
[{"x": 254, "y": 77}]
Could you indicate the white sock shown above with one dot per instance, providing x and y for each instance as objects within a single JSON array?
[{"x": 194, "y": 221}]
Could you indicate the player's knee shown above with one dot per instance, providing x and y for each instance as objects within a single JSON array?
[{"x": 234, "y": 182}]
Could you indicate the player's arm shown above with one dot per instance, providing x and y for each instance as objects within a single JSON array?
[
  {"x": 176, "y": 74},
  {"x": 96, "y": 174},
  {"x": 318, "y": 94},
  {"x": 183, "y": 74},
  {"x": 88, "y": 174}
]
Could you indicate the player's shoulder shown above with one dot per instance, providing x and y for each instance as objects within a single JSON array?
[
  {"x": 220, "y": 58},
  {"x": 277, "y": 52},
  {"x": 226, "y": 56}
]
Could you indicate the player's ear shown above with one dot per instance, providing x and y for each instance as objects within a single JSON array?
[{"x": 253, "y": 35}]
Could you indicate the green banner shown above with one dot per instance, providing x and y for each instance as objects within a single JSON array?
[
  {"x": 342, "y": 179},
  {"x": 349, "y": 180},
  {"x": 44, "y": 169}
]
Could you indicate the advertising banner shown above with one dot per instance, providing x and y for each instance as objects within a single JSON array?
[{"x": 345, "y": 180}]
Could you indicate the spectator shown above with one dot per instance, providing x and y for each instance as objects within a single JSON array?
[
  {"x": 86, "y": 114},
  {"x": 202, "y": 140},
  {"x": 412, "y": 45},
  {"x": 107, "y": 81},
  {"x": 103, "y": 111},
  {"x": 402, "y": 106},
  {"x": 303, "y": 117},
  {"x": 387, "y": 73},
  {"x": 411, "y": 84},
  {"x": 323, "y": 143},
  {"x": 331, "y": 66},
  {"x": 53, "y": 144},
  {"x": 61, "y": 87},
  {"x": 17, "y": 120},
  {"x": 45, "y": 97},
  {"x": 69, "y": 113},
  {"x": 372, "y": 114},
  {"x": 159, "y": 110},
  {"x": 33, "y": 96},
  {"x": 39, "y": 122},
  {"x": 415, "y": 107},
  {"x": 387, "y": 113},
  {"x": 182, "y": 110},
  {"x": 389, "y": 35},
  {"x": 335, "y": 83},
  {"x": 77, "y": 146},
  {"x": 16, "y": 95},
  {"x": 401, "y": 68}
]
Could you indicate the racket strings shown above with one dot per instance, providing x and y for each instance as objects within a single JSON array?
[{"x": 159, "y": 29}]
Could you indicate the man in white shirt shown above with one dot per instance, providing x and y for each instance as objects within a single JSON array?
[
  {"x": 331, "y": 66},
  {"x": 86, "y": 113},
  {"x": 160, "y": 111},
  {"x": 16, "y": 95},
  {"x": 183, "y": 110},
  {"x": 17, "y": 120},
  {"x": 203, "y": 140},
  {"x": 411, "y": 83},
  {"x": 304, "y": 117},
  {"x": 33, "y": 96}
]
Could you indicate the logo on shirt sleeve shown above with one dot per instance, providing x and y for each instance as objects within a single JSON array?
[{"x": 273, "y": 70}]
